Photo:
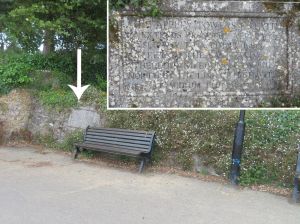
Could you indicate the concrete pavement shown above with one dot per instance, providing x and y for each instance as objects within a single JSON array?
[{"x": 45, "y": 187}]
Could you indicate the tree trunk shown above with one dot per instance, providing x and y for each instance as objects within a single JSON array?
[
  {"x": 49, "y": 45},
  {"x": 1, "y": 42}
]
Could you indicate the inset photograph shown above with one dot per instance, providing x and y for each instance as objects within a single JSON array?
[{"x": 204, "y": 54}]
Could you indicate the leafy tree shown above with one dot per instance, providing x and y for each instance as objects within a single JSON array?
[
  {"x": 60, "y": 26},
  {"x": 65, "y": 24},
  {"x": 5, "y": 6}
]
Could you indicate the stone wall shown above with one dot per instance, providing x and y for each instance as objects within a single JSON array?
[
  {"x": 15, "y": 112},
  {"x": 23, "y": 116},
  {"x": 205, "y": 54}
]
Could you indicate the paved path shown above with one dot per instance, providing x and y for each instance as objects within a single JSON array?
[{"x": 46, "y": 187}]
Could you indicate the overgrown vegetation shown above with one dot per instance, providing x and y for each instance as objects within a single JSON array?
[
  {"x": 270, "y": 147},
  {"x": 270, "y": 143},
  {"x": 278, "y": 6},
  {"x": 21, "y": 69},
  {"x": 281, "y": 101},
  {"x": 13, "y": 74},
  {"x": 66, "y": 145},
  {"x": 61, "y": 99},
  {"x": 144, "y": 7},
  {"x": 40, "y": 38},
  {"x": 286, "y": 101}
]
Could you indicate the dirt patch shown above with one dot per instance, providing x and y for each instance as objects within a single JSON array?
[
  {"x": 132, "y": 166},
  {"x": 39, "y": 164},
  {"x": 21, "y": 135},
  {"x": 11, "y": 161},
  {"x": 271, "y": 189}
]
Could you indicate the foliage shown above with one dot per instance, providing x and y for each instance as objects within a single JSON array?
[
  {"x": 150, "y": 7},
  {"x": 270, "y": 146},
  {"x": 57, "y": 99},
  {"x": 95, "y": 97},
  {"x": 286, "y": 101},
  {"x": 64, "y": 99},
  {"x": 183, "y": 132},
  {"x": 13, "y": 74},
  {"x": 93, "y": 69},
  {"x": 270, "y": 143},
  {"x": 62, "y": 27},
  {"x": 46, "y": 80},
  {"x": 68, "y": 142},
  {"x": 66, "y": 145},
  {"x": 64, "y": 24},
  {"x": 20, "y": 69}
]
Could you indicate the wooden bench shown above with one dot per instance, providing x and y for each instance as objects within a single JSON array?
[{"x": 137, "y": 144}]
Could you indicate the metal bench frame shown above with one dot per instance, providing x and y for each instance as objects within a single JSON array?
[{"x": 116, "y": 147}]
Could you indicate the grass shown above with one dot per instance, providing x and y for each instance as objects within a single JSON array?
[
  {"x": 64, "y": 99},
  {"x": 58, "y": 99},
  {"x": 66, "y": 145}
]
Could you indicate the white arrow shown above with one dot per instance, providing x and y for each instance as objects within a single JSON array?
[{"x": 79, "y": 90}]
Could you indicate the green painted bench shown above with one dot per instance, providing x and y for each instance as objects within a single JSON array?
[{"x": 131, "y": 143}]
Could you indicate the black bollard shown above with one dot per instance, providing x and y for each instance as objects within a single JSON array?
[
  {"x": 237, "y": 149},
  {"x": 296, "y": 192}
]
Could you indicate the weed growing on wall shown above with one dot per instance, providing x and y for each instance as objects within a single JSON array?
[{"x": 146, "y": 7}]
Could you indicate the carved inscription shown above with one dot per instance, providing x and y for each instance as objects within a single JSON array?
[{"x": 200, "y": 56}]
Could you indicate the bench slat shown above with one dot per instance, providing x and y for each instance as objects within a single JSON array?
[
  {"x": 117, "y": 146},
  {"x": 145, "y": 150},
  {"x": 108, "y": 148},
  {"x": 112, "y": 139},
  {"x": 145, "y": 135},
  {"x": 118, "y": 143},
  {"x": 123, "y": 130},
  {"x": 147, "y": 138}
]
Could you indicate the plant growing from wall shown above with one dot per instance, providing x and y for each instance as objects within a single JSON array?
[{"x": 145, "y": 7}]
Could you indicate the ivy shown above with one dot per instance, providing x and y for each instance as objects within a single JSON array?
[
  {"x": 13, "y": 74},
  {"x": 150, "y": 7}
]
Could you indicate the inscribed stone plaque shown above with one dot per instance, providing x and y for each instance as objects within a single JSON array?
[{"x": 204, "y": 54}]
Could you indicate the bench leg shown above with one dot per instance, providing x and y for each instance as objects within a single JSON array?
[
  {"x": 76, "y": 152},
  {"x": 143, "y": 161}
]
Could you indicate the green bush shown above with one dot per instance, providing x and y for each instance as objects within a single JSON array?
[
  {"x": 286, "y": 101},
  {"x": 13, "y": 74},
  {"x": 63, "y": 99},
  {"x": 70, "y": 139},
  {"x": 19, "y": 69},
  {"x": 255, "y": 175},
  {"x": 271, "y": 146},
  {"x": 46, "y": 80},
  {"x": 66, "y": 145}
]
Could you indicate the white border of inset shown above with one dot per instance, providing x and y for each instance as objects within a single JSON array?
[{"x": 181, "y": 108}]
